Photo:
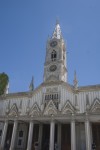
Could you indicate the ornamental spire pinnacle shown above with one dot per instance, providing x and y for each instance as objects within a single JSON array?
[
  {"x": 75, "y": 80},
  {"x": 31, "y": 87},
  {"x": 57, "y": 31}
]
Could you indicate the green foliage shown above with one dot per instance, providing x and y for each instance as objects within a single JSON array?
[{"x": 3, "y": 82}]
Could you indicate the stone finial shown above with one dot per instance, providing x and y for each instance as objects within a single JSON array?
[
  {"x": 31, "y": 87},
  {"x": 75, "y": 80}
]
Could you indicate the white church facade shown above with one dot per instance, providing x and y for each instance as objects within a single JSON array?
[{"x": 55, "y": 115}]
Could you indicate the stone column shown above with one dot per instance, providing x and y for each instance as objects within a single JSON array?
[
  {"x": 91, "y": 134},
  {"x": 52, "y": 131},
  {"x": 87, "y": 133},
  {"x": 4, "y": 135},
  {"x": 59, "y": 137},
  {"x": 13, "y": 138},
  {"x": 73, "y": 135},
  {"x": 30, "y": 135},
  {"x": 40, "y": 136}
]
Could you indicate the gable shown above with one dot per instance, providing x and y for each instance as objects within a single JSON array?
[
  {"x": 13, "y": 110},
  {"x": 50, "y": 109},
  {"x": 34, "y": 110},
  {"x": 95, "y": 106},
  {"x": 68, "y": 108}
]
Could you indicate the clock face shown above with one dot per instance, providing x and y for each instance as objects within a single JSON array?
[
  {"x": 53, "y": 43},
  {"x": 53, "y": 68}
]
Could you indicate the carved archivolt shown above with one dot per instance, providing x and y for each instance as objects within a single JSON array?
[{"x": 50, "y": 109}]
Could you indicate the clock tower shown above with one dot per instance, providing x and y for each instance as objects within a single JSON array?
[{"x": 55, "y": 68}]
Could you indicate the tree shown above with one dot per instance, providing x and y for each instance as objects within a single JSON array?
[{"x": 4, "y": 79}]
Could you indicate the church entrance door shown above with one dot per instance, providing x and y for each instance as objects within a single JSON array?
[
  {"x": 65, "y": 137},
  {"x": 46, "y": 137}
]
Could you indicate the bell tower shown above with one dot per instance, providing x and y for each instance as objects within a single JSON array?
[{"x": 55, "y": 68}]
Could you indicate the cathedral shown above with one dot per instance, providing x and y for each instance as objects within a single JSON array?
[{"x": 54, "y": 116}]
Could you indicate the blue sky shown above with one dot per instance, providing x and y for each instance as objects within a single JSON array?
[{"x": 25, "y": 26}]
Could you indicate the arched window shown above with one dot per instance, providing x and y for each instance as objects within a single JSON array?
[{"x": 53, "y": 55}]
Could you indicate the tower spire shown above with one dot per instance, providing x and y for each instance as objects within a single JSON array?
[
  {"x": 57, "y": 31},
  {"x": 55, "y": 68}
]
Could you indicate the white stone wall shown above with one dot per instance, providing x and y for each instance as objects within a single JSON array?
[{"x": 65, "y": 94}]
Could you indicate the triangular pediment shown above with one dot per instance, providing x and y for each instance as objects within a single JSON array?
[
  {"x": 68, "y": 108},
  {"x": 13, "y": 110},
  {"x": 35, "y": 110},
  {"x": 95, "y": 107},
  {"x": 50, "y": 109}
]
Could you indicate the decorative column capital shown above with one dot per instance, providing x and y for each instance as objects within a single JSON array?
[
  {"x": 31, "y": 121},
  {"x": 6, "y": 120},
  {"x": 73, "y": 117},
  {"x": 15, "y": 121},
  {"x": 86, "y": 117}
]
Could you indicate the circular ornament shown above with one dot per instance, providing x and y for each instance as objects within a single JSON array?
[
  {"x": 53, "y": 68},
  {"x": 53, "y": 43}
]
